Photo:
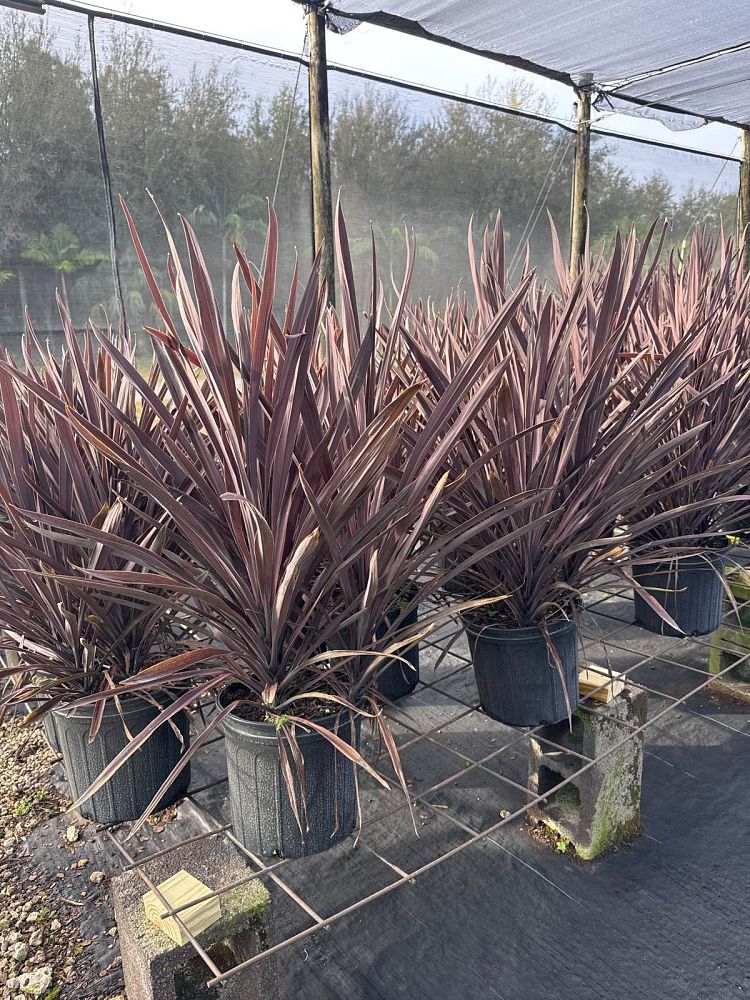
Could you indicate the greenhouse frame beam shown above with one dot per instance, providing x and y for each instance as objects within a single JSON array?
[
  {"x": 743, "y": 200},
  {"x": 580, "y": 192},
  {"x": 320, "y": 149},
  {"x": 27, "y": 6}
]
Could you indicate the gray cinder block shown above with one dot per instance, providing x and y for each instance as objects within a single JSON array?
[
  {"x": 599, "y": 809},
  {"x": 155, "y": 968}
]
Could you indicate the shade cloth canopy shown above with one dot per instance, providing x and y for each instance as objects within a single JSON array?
[{"x": 692, "y": 56}]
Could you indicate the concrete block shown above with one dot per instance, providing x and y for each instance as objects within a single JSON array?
[
  {"x": 599, "y": 809},
  {"x": 738, "y": 581},
  {"x": 730, "y": 644},
  {"x": 730, "y": 647},
  {"x": 154, "y": 966}
]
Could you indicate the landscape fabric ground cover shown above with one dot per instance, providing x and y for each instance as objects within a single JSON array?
[{"x": 666, "y": 916}]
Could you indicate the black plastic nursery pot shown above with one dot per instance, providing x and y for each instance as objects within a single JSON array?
[
  {"x": 397, "y": 679},
  {"x": 690, "y": 590},
  {"x": 263, "y": 819},
  {"x": 49, "y": 727},
  {"x": 517, "y": 677},
  {"x": 130, "y": 789}
]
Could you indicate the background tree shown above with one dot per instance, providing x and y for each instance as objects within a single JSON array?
[
  {"x": 248, "y": 216},
  {"x": 278, "y": 167},
  {"x": 198, "y": 125},
  {"x": 60, "y": 250}
]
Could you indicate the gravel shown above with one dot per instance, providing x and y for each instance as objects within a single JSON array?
[{"x": 54, "y": 914}]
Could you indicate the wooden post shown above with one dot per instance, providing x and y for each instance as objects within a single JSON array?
[
  {"x": 743, "y": 201},
  {"x": 320, "y": 152},
  {"x": 580, "y": 193}
]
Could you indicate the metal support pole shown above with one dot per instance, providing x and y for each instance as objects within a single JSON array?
[
  {"x": 320, "y": 151},
  {"x": 580, "y": 193},
  {"x": 743, "y": 201}
]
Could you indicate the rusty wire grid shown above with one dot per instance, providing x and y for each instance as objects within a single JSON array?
[{"x": 490, "y": 758}]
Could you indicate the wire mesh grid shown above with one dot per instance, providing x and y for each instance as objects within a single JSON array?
[{"x": 465, "y": 784}]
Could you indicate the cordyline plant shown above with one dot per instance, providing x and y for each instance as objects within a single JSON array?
[
  {"x": 358, "y": 380},
  {"x": 71, "y": 640},
  {"x": 705, "y": 298},
  {"x": 299, "y": 521},
  {"x": 570, "y": 452}
]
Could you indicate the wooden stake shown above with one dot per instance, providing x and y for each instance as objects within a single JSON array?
[
  {"x": 178, "y": 890},
  {"x": 580, "y": 193},
  {"x": 743, "y": 201},
  {"x": 590, "y": 683},
  {"x": 320, "y": 147}
]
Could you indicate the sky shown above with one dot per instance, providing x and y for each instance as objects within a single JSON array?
[{"x": 280, "y": 24}]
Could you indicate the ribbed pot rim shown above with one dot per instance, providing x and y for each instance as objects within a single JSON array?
[
  {"x": 557, "y": 626},
  {"x": 129, "y": 705},
  {"x": 267, "y": 730},
  {"x": 705, "y": 560}
]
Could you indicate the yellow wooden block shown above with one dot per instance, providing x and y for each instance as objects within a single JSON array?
[
  {"x": 178, "y": 890},
  {"x": 594, "y": 677}
]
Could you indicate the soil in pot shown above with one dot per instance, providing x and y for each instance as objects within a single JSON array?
[
  {"x": 517, "y": 677},
  {"x": 397, "y": 679},
  {"x": 131, "y": 788},
  {"x": 689, "y": 589},
  {"x": 263, "y": 819}
]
